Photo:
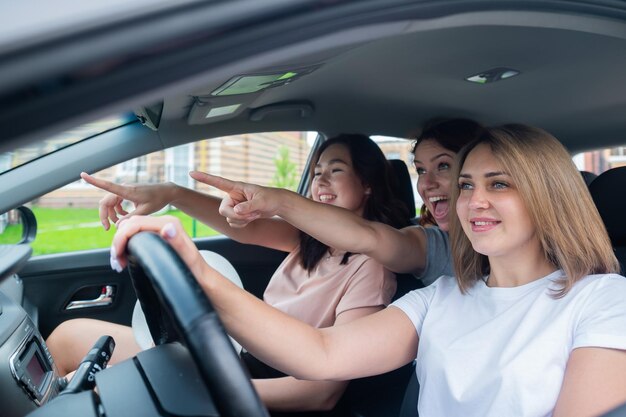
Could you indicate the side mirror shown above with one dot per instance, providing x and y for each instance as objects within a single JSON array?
[{"x": 17, "y": 226}]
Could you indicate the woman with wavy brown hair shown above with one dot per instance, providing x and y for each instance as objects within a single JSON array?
[{"x": 570, "y": 231}]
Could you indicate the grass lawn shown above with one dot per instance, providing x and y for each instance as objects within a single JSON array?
[
  {"x": 11, "y": 234},
  {"x": 71, "y": 229}
]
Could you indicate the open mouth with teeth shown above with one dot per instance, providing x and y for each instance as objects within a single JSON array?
[
  {"x": 484, "y": 223},
  {"x": 326, "y": 198},
  {"x": 440, "y": 206}
]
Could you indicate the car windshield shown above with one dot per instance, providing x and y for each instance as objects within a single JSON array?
[{"x": 23, "y": 155}]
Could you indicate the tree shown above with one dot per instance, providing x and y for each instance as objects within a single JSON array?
[{"x": 285, "y": 175}]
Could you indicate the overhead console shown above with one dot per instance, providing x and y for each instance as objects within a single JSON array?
[{"x": 238, "y": 93}]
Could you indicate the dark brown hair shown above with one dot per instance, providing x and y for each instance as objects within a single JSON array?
[
  {"x": 374, "y": 171},
  {"x": 452, "y": 134}
]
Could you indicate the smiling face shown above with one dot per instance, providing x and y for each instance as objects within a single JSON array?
[
  {"x": 335, "y": 181},
  {"x": 434, "y": 164},
  {"x": 490, "y": 208}
]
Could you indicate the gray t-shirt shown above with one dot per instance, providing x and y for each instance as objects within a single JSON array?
[{"x": 438, "y": 257}]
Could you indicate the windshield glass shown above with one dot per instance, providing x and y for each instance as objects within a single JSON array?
[{"x": 21, "y": 156}]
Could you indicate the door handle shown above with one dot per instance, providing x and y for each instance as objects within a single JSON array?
[{"x": 104, "y": 299}]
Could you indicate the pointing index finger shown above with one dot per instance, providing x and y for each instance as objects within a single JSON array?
[
  {"x": 105, "y": 185},
  {"x": 221, "y": 183}
]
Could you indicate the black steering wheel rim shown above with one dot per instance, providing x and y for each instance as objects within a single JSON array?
[{"x": 176, "y": 308}]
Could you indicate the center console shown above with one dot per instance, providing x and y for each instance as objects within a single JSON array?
[
  {"x": 28, "y": 377},
  {"x": 32, "y": 365}
]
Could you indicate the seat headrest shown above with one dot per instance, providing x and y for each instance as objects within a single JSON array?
[
  {"x": 588, "y": 177},
  {"x": 404, "y": 185},
  {"x": 607, "y": 191}
]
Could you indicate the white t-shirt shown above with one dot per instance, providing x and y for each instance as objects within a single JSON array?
[{"x": 503, "y": 351}]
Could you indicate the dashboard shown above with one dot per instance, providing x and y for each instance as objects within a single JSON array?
[
  {"x": 159, "y": 381},
  {"x": 28, "y": 377}
]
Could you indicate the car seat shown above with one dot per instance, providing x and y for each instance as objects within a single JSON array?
[
  {"x": 404, "y": 191},
  {"x": 403, "y": 186},
  {"x": 217, "y": 262},
  {"x": 610, "y": 200},
  {"x": 384, "y": 395},
  {"x": 411, "y": 395},
  {"x": 588, "y": 177}
]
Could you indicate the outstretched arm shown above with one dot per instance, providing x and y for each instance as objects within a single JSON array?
[
  {"x": 401, "y": 250},
  {"x": 594, "y": 382},
  {"x": 371, "y": 345},
  {"x": 291, "y": 394},
  {"x": 150, "y": 198}
]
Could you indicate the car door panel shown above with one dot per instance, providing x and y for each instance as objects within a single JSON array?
[
  {"x": 51, "y": 282},
  {"x": 54, "y": 282}
]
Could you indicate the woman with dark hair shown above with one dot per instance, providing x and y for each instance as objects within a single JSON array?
[
  {"x": 533, "y": 324},
  {"x": 316, "y": 283},
  {"x": 421, "y": 250},
  {"x": 381, "y": 204},
  {"x": 443, "y": 135}
]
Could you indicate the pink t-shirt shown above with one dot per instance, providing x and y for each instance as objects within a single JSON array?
[{"x": 330, "y": 289}]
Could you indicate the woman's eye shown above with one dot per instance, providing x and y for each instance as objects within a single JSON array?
[
  {"x": 336, "y": 170},
  {"x": 465, "y": 186},
  {"x": 420, "y": 170},
  {"x": 499, "y": 185},
  {"x": 444, "y": 166},
  {"x": 317, "y": 174}
]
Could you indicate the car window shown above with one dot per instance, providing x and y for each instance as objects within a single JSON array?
[
  {"x": 68, "y": 217},
  {"x": 400, "y": 148},
  {"x": 600, "y": 160},
  {"x": 23, "y": 155}
]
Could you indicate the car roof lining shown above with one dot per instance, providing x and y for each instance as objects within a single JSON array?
[
  {"x": 587, "y": 16},
  {"x": 443, "y": 51}
]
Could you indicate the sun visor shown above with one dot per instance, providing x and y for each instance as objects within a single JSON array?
[
  {"x": 253, "y": 83},
  {"x": 209, "y": 109},
  {"x": 239, "y": 92}
]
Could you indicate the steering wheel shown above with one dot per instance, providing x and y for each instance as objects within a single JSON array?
[{"x": 176, "y": 308}]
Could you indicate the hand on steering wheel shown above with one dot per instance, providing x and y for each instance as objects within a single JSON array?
[{"x": 176, "y": 306}]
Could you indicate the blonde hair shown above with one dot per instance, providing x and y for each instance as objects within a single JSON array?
[{"x": 570, "y": 231}]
